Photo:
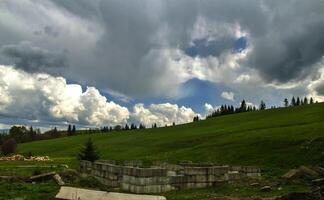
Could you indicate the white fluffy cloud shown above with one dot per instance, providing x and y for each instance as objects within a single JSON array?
[
  {"x": 209, "y": 109},
  {"x": 39, "y": 97},
  {"x": 162, "y": 114},
  {"x": 228, "y": 95},
  {"x": 44, "y": 97}
]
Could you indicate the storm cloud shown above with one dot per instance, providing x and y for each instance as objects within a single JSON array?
[
  {"x": 115, "y": 39},
  {"x": 31, "y": 58},
  {"x": 139, "y": 49}
]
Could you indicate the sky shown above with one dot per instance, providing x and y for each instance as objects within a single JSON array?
[{"x": 108, "y": 62}]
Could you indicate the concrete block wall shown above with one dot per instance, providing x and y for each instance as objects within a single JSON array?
[{"x": 162, "y": 176}]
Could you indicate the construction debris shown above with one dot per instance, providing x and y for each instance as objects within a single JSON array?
[
  {"x": 303, "y": 171},
  {"x": 72, "y": 193},
  {"x": 58, "y": 179},
  {"x": 19, "y": 157},
  {"x": 42, "y": 177}
]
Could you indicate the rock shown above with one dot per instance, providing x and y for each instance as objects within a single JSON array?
[
  {"x": 255, "y": 184},
  {"x": 319, "y": 170},
  {"x": 308, "y": 172},
  {"x": 58, "y": 180},
  {"x": 292, "y": 174},
  {"x": 318, "y": 182},
  {"x": 302, "y": 171},
  {"x": 265, "y": 188}
]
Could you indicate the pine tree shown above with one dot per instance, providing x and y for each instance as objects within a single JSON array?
[
  {"x": 262, "y": 105},
  {"x": 55, "y": 132},
  {"x": 73, "y": 130},
  {"x": 69, "y": 131},
  {"x": 243, "y": 106},
  {"x": 298, "y": 102},
  {"x": 286, "y": 103},
  {"x": 196, "y": 118},
  {"x": 133, "y": 127},
  {"x": 32, "y": 134},
  {"x": 141, "y": 126},
  {"x": 305, "y": 101},
  {"x": 126, "y": 127},
  {"x": 311, "y": 101},
  {"x": 293, "y": 101},
  {"x": 88, "y": 152}
]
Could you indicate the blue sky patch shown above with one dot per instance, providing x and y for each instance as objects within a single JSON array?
[{"x": 204, "y": 48}]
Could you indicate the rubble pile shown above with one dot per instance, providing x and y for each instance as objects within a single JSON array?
[{"x": 19, "y": 157}]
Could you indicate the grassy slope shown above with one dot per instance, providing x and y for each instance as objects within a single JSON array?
[{"x": 279, "y": 138}]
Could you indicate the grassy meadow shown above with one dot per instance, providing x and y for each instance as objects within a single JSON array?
[
  {"x": 275, "y": 140},
  {"x": 278, "y": 138}
]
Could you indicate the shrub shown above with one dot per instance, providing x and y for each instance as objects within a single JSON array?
[{"x": 9, "y": 146}]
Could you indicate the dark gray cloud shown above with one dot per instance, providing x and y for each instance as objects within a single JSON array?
[
  {"x": 286, "y": 36},
  {"x": 130, "y": 38},
  {"x": 293, "y": 41},
  {"x": 31, "y": 58},
  {"x": 50, "y": 31}
]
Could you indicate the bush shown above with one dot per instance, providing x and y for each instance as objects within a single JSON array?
[{"x": 9, "y": 146}]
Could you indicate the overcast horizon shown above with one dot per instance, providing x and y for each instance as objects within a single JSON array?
[{"x": 108, "y": 62}]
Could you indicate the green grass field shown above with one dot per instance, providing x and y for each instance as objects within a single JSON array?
[
  {"x": 275, "y": 140},
  {"x": 272, "y": 139}
]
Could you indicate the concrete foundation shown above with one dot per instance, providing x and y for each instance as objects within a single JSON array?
[{"x": 163, "y": 177}]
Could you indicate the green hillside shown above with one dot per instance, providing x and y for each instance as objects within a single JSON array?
[{"x": 279, "y": 138}]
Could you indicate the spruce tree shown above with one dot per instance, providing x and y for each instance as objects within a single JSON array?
[
  {"x": 73, "y": 130},
  {"x": 293, "y": 101},
  {"x": 69, "y": 131},
  {"x": 298, "y": 101},
  {"x": 311, "y": 101},
  {"x": 243, "y": 106},
  {"x": 262, "y": 105},
  {"x": 286, "y": 103},
  {"x": 305, "y": 101},
  {"x": 55, "y": 132},
  {"x": 88, "y": 152}
]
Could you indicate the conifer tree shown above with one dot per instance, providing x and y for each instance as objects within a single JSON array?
[
  {"x": 196, "y": 118},
  {"x": 69, "y": 131},
  {"x": 311, "y": 101},
  {"x": 305, "y": 101},
  {"x": 243, "y": 106},
  {"x": 293, "y": 101},
  {"x": 88, "y": 152},
  {"x": 55, "y": 132},
  {"x": 73, "y": 130},
  {"x": 298, "y": 102},
  {"x": 286, "y": 103},
  {"x": 262, "y": 105}
]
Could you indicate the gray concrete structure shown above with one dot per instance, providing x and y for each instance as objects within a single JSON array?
[
  {"x": 72, "y": 193},
  {"x": 131, "y": 176}
]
